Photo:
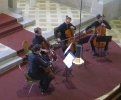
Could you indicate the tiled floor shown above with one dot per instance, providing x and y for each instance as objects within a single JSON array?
[
  {"x": 47, "y": 14},
  {"x": 115, "y": 32}
]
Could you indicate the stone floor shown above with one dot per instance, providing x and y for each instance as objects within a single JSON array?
[
  {"x": 47, "y": 14},
  {"x": 115, "y": 32}
]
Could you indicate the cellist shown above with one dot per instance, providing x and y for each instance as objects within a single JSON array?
[
  {"x": 99, "y": 21},
  {"x": 62, "y": 28}
]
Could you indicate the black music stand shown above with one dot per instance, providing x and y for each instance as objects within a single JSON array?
[
  {"x": 102, "y": 39},
  {"x": 65, "y": 53},
  {"x": 81, "y": 42}
]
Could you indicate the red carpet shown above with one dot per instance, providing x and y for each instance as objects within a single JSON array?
[
  {"x": 101, "y": 76},
  {"x": 12, "y": 33}
]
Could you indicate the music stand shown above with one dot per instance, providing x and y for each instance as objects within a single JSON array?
[
  {"x": 103, "y": 39},
  {"x": 65, "y": 53},
  {"x": 83, "y": 41}
]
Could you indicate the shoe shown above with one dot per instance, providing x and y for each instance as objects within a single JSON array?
[
  {"x": 46, "y": 90},
  {"x": 105, "y": 52},
  {"x": 93, "y": 53}
]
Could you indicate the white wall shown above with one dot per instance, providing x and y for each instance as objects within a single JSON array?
[{"x": 3, "y": 5}]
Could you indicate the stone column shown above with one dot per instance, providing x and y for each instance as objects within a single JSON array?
[
  {"x": 3, "y": 5},
  {"x": 12, "y": 4},
  {"x": 32, "y": 2}
]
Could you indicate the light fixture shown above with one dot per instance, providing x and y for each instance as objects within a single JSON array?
[{"x": 78, "y": 60}]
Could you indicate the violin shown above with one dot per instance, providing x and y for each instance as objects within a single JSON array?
[
  {"x": 101, "y": 31},
  {"x": 51, "y": 53}
]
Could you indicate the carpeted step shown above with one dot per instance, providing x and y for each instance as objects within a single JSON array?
[
  {"x": 6, "y": 20},
  {"x": 6, "y": 52},
  {"x": 15, "y": 39},
  {"x": 10, "y": 63},
  {"x": 11, "y": 28},
  {"x": 23, "y": 56}
]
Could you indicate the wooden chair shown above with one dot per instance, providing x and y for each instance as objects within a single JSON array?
[
  {"x": 28, "y": 80},
  {"x": 25, "y": 45}
]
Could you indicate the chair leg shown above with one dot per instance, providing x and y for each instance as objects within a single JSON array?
[
  {"x": 24, "y": 83},
  {"x": 30, "y": 89}
]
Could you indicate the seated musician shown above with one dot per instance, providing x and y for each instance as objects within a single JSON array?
[
  {"x": 38, "y": 38},
  {"x": 36, "y": 71},
  {"x": 99, "y": 21},
  {"x": 62, "y": 28}
]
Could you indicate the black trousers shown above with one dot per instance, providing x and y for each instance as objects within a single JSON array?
[
  {"x": 63, "y": 44},
  {"x": 92, "y": 45},
  {"x": 44, "y": 78}
]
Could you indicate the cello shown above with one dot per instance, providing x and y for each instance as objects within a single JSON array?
[
  {"x": 101, "y": 31},
  {"x": 48, "y": 70},
  {"x": 70, "y": 38},
  {"x": 51, "y": 53}
]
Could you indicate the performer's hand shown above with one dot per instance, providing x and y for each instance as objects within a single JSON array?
[
  {"x": 59, "y": 40},
  {"x": 84, "y": 32},
  {"x": 71, "y": 27},
  {"x": 45, "y": 50},
  {"x": 103, "y": 24}
]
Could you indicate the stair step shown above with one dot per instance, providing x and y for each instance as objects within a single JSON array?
[
  {"x": 6, "y": 52},
  {"x": 27, "y": 22},
  {"x": 14, "y": 15},
  {"x": 10, "y": 28},
  {"x": 10, "y": 63}
]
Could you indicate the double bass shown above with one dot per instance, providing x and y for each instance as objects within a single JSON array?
[{"x": 101, "y": 31}]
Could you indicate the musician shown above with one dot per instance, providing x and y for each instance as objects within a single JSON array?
[
  {"x": 35, "y": 70},
  {"x": 62, "y": 28},
  {"x": 99, "y": 21},
  {"x": 38, "y": 38}
]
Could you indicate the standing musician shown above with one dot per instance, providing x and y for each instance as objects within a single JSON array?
[
  {"x": 99, "y": 22},
  {"x": 37, "y": 68},
  {"x": 62, "y": 29}
]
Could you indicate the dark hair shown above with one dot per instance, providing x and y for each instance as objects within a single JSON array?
[
  {"x": 36, "y": 47},
  {"x": 98, "y": 16},
  {"x": 36, "y": 29},
  {"x": 68, "y": 17}
]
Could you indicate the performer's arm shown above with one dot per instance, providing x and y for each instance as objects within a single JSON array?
[
  {"x": 106, "y": 24},
  {"x": 72, "y": 26},
  {"x": 41, "y": 62},
  {"x": 88, "y": 27}
]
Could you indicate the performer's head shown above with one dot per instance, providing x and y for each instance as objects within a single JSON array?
[
  {"x": 99, "y": 18},
  {"x": 68, "y": 20},
  {"x": 37, "y": 49},
  {"x": 38, "y": 31}
]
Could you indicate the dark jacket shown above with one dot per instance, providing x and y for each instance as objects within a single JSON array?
[
  {"x": 62, "y": 28},
  {"x": 37, "y": 40},
  {"x": 96, "y": 24},
  {"x": 35, "y": 63}
]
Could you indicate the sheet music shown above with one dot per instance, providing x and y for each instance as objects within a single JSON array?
[
  {"x": 68, "y": 60},
  {"x": 67, "y": 48}
]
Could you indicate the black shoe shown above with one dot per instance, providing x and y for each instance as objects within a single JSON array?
[
  {"x": 93, "y": 53},
  {"x": 105, "y": 52},
  {"x": 46, "y": 90}
]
